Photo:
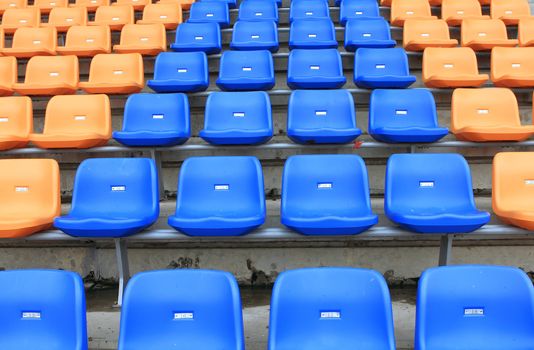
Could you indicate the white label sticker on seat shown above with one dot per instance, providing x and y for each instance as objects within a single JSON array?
[
  {"x": 425, "y": 35},
  {"x": 157, "y": 116},
  {"x": 426, "y": 184},
  {"x": 115, "y": 18},
  {"x": 23, "y": 21},
  {"x": 119, "y": 188},
  {"x": 183, "y": 316},
  {"x": 474, "y": 311},
  {"x": 239, "y": 114},
  {"x": 80, "y": 117},
  {"x": 54, "y": 74},
  {"x": 254, "y": 36},
  {"x": 182, "y": 70},
  {"x": 93, "y": 1},
  {"x": 448, "y": 65},
  {"x": 22, "y": 188},
  {"x": 69, "y": 19},
  {"x": 199, "y": 37},
  {"x": 31, "y": 315},
  {"x": 320, "y": 113},
  {"x": 143, "y": 39},
  {"x": 460, "y": 12},
  {"x": 312, "y": 35},
  {"x": 89, "y": 40},
  {"x": 330, "y": 315},
  {"x": 309, "y": 13},
  {"x": 366, "y": 35},
  {"x": 401, "y": 112},
  {"x": 52, "y": 4},
  {"x": 118, "y": 72},
  {"x": 209, "y": 14},
  {"x": 380, "y": 66},
  {"x": 508, "y": 12},
  {"x": 163, "y": 16},
  {"x": 315, "y": 67},
  {"x": 222, "y": 187},
  {"x": 258, "y": 14},
  {"x": 516, "y": 65},
  {"x": 482, "y": 111},
  {"x": 12, "y": 5},
  {"x": 359, "y": 12},
  {"x": 482, "y": 34},
  {"x": 409, "y": 12},
  {"x": 324, "y": 185},
  {"x": 36, "y": 42},
  {"x": 529, "y": 182},
  {"x": 247, "y": 69},
  {"x": 4, "y": 119}
]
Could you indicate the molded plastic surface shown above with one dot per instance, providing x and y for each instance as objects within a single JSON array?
[
  {"x": 315, "y": 69},
  {"x": 246, "y": 70},
  {"x": 314, "y": 33},
  {"x": 180, "y": 72},
  {"x": 352, "y": 9},
  {"x": 255, "y": 35},
  {"x": 382, "y": 68},
  {"x": 210, "y": 11},
  {"x": 368, "y": 32},
  {"x": 198, "y": 37},
  {"x": 418, "y": 34},
  {"x": 17, "y": 122}
]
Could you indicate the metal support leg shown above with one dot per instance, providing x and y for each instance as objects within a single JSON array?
[
  {"x": 123, "y": 266},
  {"x": 445, "y": 250},
  {"x": 156, "y": 156}
]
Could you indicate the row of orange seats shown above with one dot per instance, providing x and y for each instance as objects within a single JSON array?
[{"x": 387, "y": 3}]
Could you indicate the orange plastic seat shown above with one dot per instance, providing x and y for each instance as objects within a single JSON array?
[
  {"x": 90, "y": 5},
  {"x": 84, "y": 41},
  {"x": 401, "y": 10},
  {"x": 115, "y": 74},
  {"x": 113, "y": 16},
  {"x": 8, "y": 75},
  {"x": 50, "y": 75},
  {"x": 12, "y": 4},
  {"x": 45, "y": 6},
  {"x": 29, "y": 42},
  {"x": 169, "y": 15},
  {"x": 138, "y": 5},
  {"x": 184, "y": 4},
  {"x": 455, "y": 11},
  {"x": 512, "y": 66},
  {"x": 76, "y": 121},
  {"x": 16, "y": 121},
  {"x": 13, "y": 19},
  {"x": 30, "y": 193},
  {"x": 146, "y": 39},
  {"x": 525, "y": 31},
  {"x": 62, "y": 18},
  {"x": 510, "y": 11},
  {"x": 2, "y": 39},
  {"x": 485, "y": 34},
  {"x": 451, "y": 68},
  {"x": 489, "y": 114},
  {"x": 419, "y": 34}
]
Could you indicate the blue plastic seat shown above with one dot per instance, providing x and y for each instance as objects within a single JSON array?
[
  {"x": 198, "y": 37},
  {"x": 315, "y": 69},
  {"x": 180, "y": 72},
  {"x": 219, "y": 196},
  {"x": 475, "y": 308},
  {"x": 326, "y": 195},
  {"x": 258, "y": 10},
  {"x": 368, "y": 32},
  {"x": 200, "y": 309},
  {"x": 321, "y": 116},
  {"x": 313, "y": 33},
  {"x": 331, "y": 308},
  {"x": 42, "y": 309},
  {"x": 155, "y": 120},
  {"x": 407, "y": 115},
  {"x": 255, "y": 35},
  {"x": 431, "y": 193},
  {"x": 112, "y": 197},
  {"x": 231, "y": 3},
  {"x": 210, "y": 11},
  {"x": 246, "y": 70},
  {"x": 351, "y": 9},
  {"x": 237, "y": 118},
  {"x": 382, "y": 69},
  {"x": 301, "y": 9}
]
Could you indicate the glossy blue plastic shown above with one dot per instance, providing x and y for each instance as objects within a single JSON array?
[
  {"x": 326, "y": 195},
  {"x": 315, "y": 69},
  {"x": 155, "y": 120},
  {"x": 210, "y": 11},
  {"x": 321, "y": 116},
  {"x": 255, "y": 35},
  {"x": 180, "y": 72},
  {"x": 431, "y": 193},
  {"x": 313, "y": 33},
  {"x": 231, "y": 3},
  {"x": 246, "y": 70},
  {"x": 382, "y": 69},
  {"x": 352, "y": 9},
  {"x": 42, "y": 310},
  {"x": 219, "y": 196},
  {"x": 198, "y": 37},
  {"x": 331, "y": 308},
  {"x": 112, "y": 197},
  {"x": 406, "y": 115},
  {"x": 475, "y": 308},
  {"x": 368, "y": 32},
  {"x": 258, "y": 10},
  {"x": 301, "y": 9}
]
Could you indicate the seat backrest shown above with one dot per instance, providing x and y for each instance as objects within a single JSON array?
[
  {"x": 315, "y": 62},
  {"x": 21, "y": 17},
  {"x": 2, "y": 38},
  {"x": 162, "y": 13},
  {"x": 410, "y": 8},
  {"x": 91, "y": 3},
  {"x": 474, "y": 307},
  {"x": 516, "y": 61},
  {"x": 198, "y": 32},
  {"x": 483, "y": 29},
  {"x": 208, "y": 11},
  {"x": 359, "y": 9},
  {"x": 12, "y": 4},
  {"x": 114, "y": 14},
  {"x": 116, "y": 68},
  {"x": 200, "y": 308},
  {"x": 181, "y": 65},
  {"x": 504, "y": 8},
  {"x": 456, "y": 61},
  {"x": 254, "y": 10},
  {"x": 246, "y": 63},
  {"x": 52, "y": 70},
  {"x": 312, "y": 29},
  {"x": 427, "y": 30},
  {"x": 381, "y": 62},
  {"x": 513, "y": 180},
  {"x": 367, "y": 29},
  {"x": 44, "y": 307},
  {"x": 8, "y": 71},
  {"x": 144, "y": 35},
  {"x": 137, "y": 4},
  {"x": 331, "y": 308},
  {"x": 525, "y": 30},
  {"x": 460, "y": 8},
  {"x": 50, "y": 4},
  {"x": 16, "y": 116},
  {"x": 68, "y": 16},
  {"x": 309, "y": 9},
  {"x": 255, "y": 31},
  {"x": 35, "y": 38},
  {"x": 80, "y": 37}
]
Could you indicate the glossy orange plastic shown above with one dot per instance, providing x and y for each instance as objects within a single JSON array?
[
  {"x": 29, "y": 42},
  {"x": 12, "y": 4},
  {"x": 16, "y": 121},
  {"x": 512, "y": 66},
  {"x": 90, "y": 5},
  {"x": 485, "y": 34},
  {"x": 62, "y": 18},
  {"x": 419, "y": 34},
  {"x": 16, "y": 18},
  {"x": 2, "y": 39},
  {"x": 146, "y": 39},
  {"x": 169, "y": 15},
  {"x": 525, "y": 31},
  {"x": 184, "y": 4},
  {"x": 113, "y": 16},
  {"x": 510, "y": 11},
  {"x": 138, "y": 5},
  {"x": 85, "y": 41},
  {"x": 45, "y": 6},
  {"x": 455, "y": 11},
  {"x": 401, "y": 10},
  {"x": 8, "y": 75}
]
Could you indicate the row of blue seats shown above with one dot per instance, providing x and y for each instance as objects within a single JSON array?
[{"x": 471, "y": 307}]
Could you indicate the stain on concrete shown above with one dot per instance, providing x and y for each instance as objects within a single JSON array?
[{"x": 185, "y": 263}]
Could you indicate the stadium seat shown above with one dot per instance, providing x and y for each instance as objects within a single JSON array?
[
  {"x": 169, "y": 15},
  {"x": 50, "y": 75},
  {"x": 382, "y": 68},
  {"x": 47, "y": 306},
  {"x": 219, "y": 196},
  {"x": 237, "y": 118},
  {"x": 321, "y": 116},
  {"x": 16, "y": 122},
  {"x": 112, "y": 197},
  {"x": 326, "y": 195},
  {"x": 155, "y": 120},
  {"x": 85, "y": 41},
  {"x": 15, "y": 18},
  {"x": 246, "y": 70},
  {"x": 146, "y": 39},
  {"x": 201, "y": 308},
  {"x": 315, "y": 69},
  {"x": 331, "y": 308},
  {"x": 210, "y": 11},
  {"x": 12, "y": 4},
  {"x": 115, "y": 74},
  {"x": 353, "y": 9},
  {"x": 510, "y": 11},
  {"x": 45, "y": 6},
  {"x": 455, "y": 11},
  {"x": 8, "y": 75},
  {"x": 408, "y": 115},
  {"x": 474, "y": 307},
  {"x": 258, "y": 10},
  {"x": 525, "y": 31},
  {"x": 418, "y": 34},
  {"x": 138, "y": 5},
  {"x": 62, "y": 18},
  {"x": 301, "y": 9},
  {"x": 402, "y": 10},
  {"x": 198, "y": 37},
  {"x": 512, "y": 66},
  {"x": 113, "y": 16},
  {"x": 184, "y": 4},
  {"x": 367, "y": 32},
  {"x": 451, "y": 68},
  {"x": 490, "y": 114},
  {"x": 313, "y": 33},
  {"x": 2, "y": 39},
  {"x": 31, "y": 200},
  {"x": 485, "y": 34},
  {"x": 29, "y": 42},
  {"x": 180, "y": 72},
  {"x": 255, "y": 35},
  {"x": 431, "y": 193},
  {"x": 90, "y": 5},
  {"x": 75, "y": 121},
  {"x": 233, "y": 3}
]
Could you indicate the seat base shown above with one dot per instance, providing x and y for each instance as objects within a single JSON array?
[
  {"x": 177, "y": 85},
  {"x": 204, "y": 229},
  {"x": 236, "y": 137},
  {"x": 456, "y": 21},
  {"x": 149, "y": 138},
  {"x": 353, "y": 45},
  {"x": 497, "y": 133},
  {"x": 6, "y": 90},
  {"x": 423, "y": 44},
  {"x": 487, "y": 45},
  {"x": 172, "y": 25},
  {"x": 409, "y": 135},
  {"x": 323, "y": 136},
  {"x": 44, "y": 90},
  {"x": 456, "y": 82},
  {"x": 18, "y": 53},
  {"x": 99, "y": 227},
  {"x": 68, "y": 141},
  {"x": 208, "y": 49},
  {"x": 143, "y": 50},
  {"x": 115, "y": 27},
  {"x": 23, "y": 229},
  {"x": 330, "y": 226},
  {"x": 512, "y": 81},
  {"x": 114, "y": 89},
  {"x": 384, "y": 82},
  {"x": 9, "y": 142},
  {"x": 82, "y": 51},
  {"x": 326, "y": 44},
  {"x": 273, "y": 47},
  {"x": 442, "y": 223},
  {"x": 245, "y": 84},
  {"x": 399, "y": 21},
  {"x": 316, "y": 82}
]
